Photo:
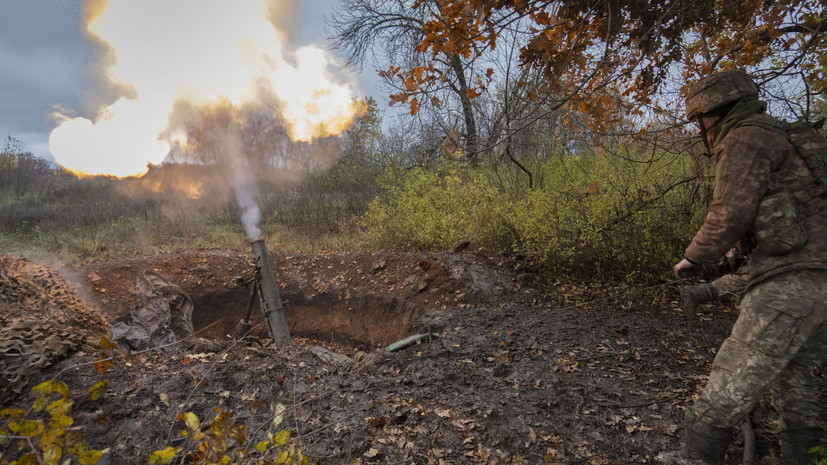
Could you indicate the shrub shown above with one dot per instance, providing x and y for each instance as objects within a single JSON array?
[
  {"x": 614, "y": 217},
  {"x": 433, "y": 210}
]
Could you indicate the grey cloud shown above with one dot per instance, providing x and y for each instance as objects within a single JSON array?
[{"x": 43, "y": 62}]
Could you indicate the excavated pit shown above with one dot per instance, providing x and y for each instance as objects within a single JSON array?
[{"x": 362, "y": 322}]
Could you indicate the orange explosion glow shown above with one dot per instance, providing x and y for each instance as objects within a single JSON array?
[
  {"x": 189, "y": 187},
  {"x": 198, "y": 51}
]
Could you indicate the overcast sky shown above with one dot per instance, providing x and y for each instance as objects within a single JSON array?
[{"x": 45, "y": 61}]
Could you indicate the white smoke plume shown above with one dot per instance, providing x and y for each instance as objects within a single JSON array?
[
  {"x": 158, "y": 53},
  {"x": 242, "y": 180},
  {"x": 161, "y": 60}
]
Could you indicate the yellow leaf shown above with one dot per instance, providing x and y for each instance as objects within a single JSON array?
[
  {"x": 43, "y": 388},
  {"x": 191, "y": 421},
  {"x": 60, "y": 421},
  {"x": 13, "y": 412},
  {"x": 281, "y": 438},
  {"x": 27, "y": 427},
  {"x": 90, "y": 457},
  {"x": 50, "y": 386},
  {"x": 26, "y": 459},
  {"x": 48, "y": 439},
  {"x": 52, "y": 455},
  {"x": 221, "y": 424},
  {"x": 163, "y": 456},
  {"x": 98, "y": 390},
  {"x": 279, "y": 415},
  {"x": 282, "y": 457},
  {"x": 60, "y": 388},
  {"x": 60, "y": 407},
  {"x": 40, "y": 403},
  {"x": 262, "y": 446}
]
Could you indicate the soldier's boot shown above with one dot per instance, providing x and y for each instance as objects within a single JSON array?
[
  {"x": 692, "y": 296},
  {"x": 796, "y": 442},
  {"x": 704, "y": 445}
]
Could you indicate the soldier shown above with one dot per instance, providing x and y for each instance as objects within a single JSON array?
[{"x": 764, "y": 192}]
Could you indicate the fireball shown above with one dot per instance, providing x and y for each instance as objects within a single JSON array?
[{"x": 164, "y": 52}]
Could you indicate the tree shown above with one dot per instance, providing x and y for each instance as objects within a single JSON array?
[
  {"x": 18, "y": 167},
  {"x": 393, "y": 31},
  {"x": 611, "y": 59}
]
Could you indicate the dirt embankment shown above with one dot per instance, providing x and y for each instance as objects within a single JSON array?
[{"x": 519, "y": 373}]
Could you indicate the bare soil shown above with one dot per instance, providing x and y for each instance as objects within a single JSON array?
[{"x": 525, "y": 370}]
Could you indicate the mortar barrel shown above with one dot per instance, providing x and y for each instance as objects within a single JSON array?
[{"x": 271, "y": 305}]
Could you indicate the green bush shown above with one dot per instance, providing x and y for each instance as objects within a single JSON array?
[
  {"x": 614, "y": 217},
  {"x": 435, "y": 210}
]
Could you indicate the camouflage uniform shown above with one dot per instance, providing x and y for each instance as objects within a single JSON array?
[
  {"x": 733, "y": 284},
  {"x": 751, "y": 162},
  {"x": 780, "y": 337}
]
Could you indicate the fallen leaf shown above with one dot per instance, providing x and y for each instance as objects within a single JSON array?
[
  {"x": 103, "y": 364},
  {"x": 98, "y": 390}
]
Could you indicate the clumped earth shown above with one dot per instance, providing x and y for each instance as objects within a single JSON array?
[{"x": 524, "y": 371}]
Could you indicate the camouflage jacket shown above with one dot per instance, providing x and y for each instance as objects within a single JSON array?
[{"x": 752, "y": 162}]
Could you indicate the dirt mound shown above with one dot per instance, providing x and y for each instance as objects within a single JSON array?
[{"x": 42, "y": 318}]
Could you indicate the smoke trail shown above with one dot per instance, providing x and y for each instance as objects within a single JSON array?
[{"x": 242, "y": 180}]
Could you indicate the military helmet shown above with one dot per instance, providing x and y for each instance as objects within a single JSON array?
[{"x": 718, "y": 89}]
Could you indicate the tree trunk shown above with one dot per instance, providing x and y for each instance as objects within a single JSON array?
[{"x": 471, "y": 145}]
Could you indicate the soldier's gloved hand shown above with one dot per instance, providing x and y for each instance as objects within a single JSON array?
[
  {"x": 734, "y": 259},
  {"x": 685, "y": 270}
]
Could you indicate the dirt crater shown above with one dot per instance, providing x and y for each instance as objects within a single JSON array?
[{"x": 364, "y": 322}]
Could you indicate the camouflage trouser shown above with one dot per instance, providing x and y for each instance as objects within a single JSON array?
[
  {"x": 732, "y": 284},
  {"x": 779, "y": 342}
]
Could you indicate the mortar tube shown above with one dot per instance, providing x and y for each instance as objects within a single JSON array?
[{"x": 271, "y": 305}]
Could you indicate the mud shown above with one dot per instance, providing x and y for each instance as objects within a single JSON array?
[{"x": 526, "y": 370}]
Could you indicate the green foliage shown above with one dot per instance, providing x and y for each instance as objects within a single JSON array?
[
  {"x": 617, "y": 217},
  {"x": 45, "y": 434},
  {"x": 611, "y": 217},
  {"x": 222, "y": 443},
  {"x": 626, "y": 215},
  {"x": 434, "y": 210},
  {"x": 820, "y": 453}
]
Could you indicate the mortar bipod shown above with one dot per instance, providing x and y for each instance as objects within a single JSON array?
[{"x": 252, "y": 280}]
